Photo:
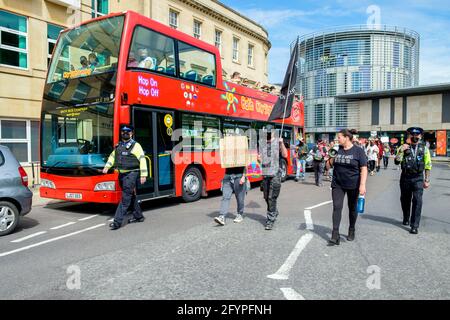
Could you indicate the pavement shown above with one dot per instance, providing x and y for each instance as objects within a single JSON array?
[{"x": 66, "y": 250}]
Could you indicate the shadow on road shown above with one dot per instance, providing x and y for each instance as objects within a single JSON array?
[
  {"x": 26, "y": 223},
  {"x": 386, "y": 220},
  {"x": 253, "y": 216}
]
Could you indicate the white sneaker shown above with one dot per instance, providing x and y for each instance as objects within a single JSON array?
[
  {"x": 238, "y": 218},
  {"x": 220, "y": 220}
]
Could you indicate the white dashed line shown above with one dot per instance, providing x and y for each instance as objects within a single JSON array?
[
  {"x": 62, "y": 226},
  {"x": 308, "y": 219},
  {"x": 87, "y": 218},
  {"x": 291, "y": 294},
  {"x": 50, "y": 240},
  {"x": 319, "y": 205},
  {"x": 29, "y": 236},
  {"x": 283, "y": 272}
]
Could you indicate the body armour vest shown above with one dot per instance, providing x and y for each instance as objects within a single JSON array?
[
  {"x": 125, "y": 160},
  {"x": 414, "y": 161}
]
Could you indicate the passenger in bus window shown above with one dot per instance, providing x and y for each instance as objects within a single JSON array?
[
  {"x": 84, "y": 63},
  {"x": 93, "y": 60},
  {"x": 144, "y": 60},
  {"x": 132, "y": 62}
]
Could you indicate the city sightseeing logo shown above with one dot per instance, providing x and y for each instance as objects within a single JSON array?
[{"x": 229, "y": 97}]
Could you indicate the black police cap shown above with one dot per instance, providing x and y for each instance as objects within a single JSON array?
[
  {"x": 414, "y": 130},
  {"x": 126, "y": 127}
]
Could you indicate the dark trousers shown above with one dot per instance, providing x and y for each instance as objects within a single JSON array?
[
  {"x": 378, "y": 164},
  {"x": 338, "y": 194},
  {"x": 386, "y": 162},
  {"x": 127, "y": 182},
  {"x": 411, "y": 189},
  {"x": 371, "y": 165},
  {"x": 271, "y": 189},
  {"x": 318, "y": 171},
  {"x": 230, "y": 185}
]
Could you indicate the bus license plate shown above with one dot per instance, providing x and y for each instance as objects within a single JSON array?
[{"x": 77, "y": 196}]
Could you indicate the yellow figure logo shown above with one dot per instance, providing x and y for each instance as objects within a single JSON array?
[{"x": 230, "y": 98}]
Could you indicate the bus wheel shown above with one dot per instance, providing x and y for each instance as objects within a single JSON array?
[
  {"x": 283, "y": 170},
  {"x": 192, "y": 184}
]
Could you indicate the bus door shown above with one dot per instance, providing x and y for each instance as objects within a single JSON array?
[{"x": 153, "y": 130}]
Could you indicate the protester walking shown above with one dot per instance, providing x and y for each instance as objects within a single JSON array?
[
  {"x": 271, "y": 152},
  {"x": 301, "y": 153},
  {"x": 319, "y": 152},
  {"x": 386, "y": 155},
  {"x": 349, "y": 177},
  {"x": 372, "y": 155}
]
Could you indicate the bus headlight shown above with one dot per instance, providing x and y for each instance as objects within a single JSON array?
[
  {"x": 105, "y": 186},
  {"x": 47, "y": 184}
]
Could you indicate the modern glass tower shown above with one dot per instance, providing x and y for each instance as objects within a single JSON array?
[{"x": 352, "y": 59}]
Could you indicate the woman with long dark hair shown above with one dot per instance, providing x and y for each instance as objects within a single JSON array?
[{"x": 349, "y": 177}]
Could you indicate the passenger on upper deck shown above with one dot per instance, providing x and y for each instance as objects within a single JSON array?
[
  {"x": 84, "y": 63},
  {"x": 93, "y": 60},
  {"x": 144, "y": 60},
  {"x": 236, "y": 77}
]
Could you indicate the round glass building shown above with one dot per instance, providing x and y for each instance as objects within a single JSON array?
[{"x": 352, "y": 59}]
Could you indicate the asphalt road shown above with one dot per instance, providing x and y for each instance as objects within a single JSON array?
[{"x": 180, "y": 253}]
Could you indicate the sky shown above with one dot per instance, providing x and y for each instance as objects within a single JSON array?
[{"x": 284, "y": 20}]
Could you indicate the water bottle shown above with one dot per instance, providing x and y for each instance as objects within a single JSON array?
[{"x": 360, "y": 206}]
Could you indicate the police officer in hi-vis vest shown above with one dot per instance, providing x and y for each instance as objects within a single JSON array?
[
  {"x": 415, "y": 159},
  {"x": 129, "y": 159}
]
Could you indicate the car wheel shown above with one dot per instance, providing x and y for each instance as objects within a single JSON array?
[
  {"x": 283, "y": 168},
  {"x": 192, "y": 184},
  {"x": 9, "y": 217}
]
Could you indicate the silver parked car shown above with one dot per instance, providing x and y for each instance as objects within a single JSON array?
[{"x": 15, "y": 197}]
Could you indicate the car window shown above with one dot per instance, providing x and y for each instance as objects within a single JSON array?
[{"x": 2, "y": 159}]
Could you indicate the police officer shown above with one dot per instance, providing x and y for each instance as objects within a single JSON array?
[
  {"x": 415, "y": 159},
  {"x": 129, "y": 159},
  {"x": 271, "y": 151}
]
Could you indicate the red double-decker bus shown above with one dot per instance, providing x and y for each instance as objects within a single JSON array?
[{"x": 125, "y": 68}]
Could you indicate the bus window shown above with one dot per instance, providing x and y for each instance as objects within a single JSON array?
[
  {"x": 153, "y": 51},
  {"x": 200, "y": 132},
  {"x": 196, "y": 64},
  {"x": 89, "y": 49}
]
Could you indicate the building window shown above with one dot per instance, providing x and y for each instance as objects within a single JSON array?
[
  {"x": 235, "y": 49},
  {"x": 218, "y": 40},
  {"x": 173, "y": 19},
  {"x": 13, "y": 40},
  {"x": 99, "y": 8},
  {"x": 197, "y": 29},
  {"x": 21, "y": 137},
  {"x": 52, "y": 35},
  {"x": 250, "y": 55}
]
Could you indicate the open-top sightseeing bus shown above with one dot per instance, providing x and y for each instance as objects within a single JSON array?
[{"x": 125, "y": 68}]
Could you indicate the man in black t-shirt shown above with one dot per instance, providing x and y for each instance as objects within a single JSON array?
[{"x": 271, "y": 152}]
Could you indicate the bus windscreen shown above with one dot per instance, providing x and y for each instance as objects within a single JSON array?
[{"x": 89, "y": 49}]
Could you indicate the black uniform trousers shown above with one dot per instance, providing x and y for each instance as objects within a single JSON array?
[
  {"x": 127, "y": 182},
  {"x": 271, "y": 189},
  {"x": 411, "y": 188}
]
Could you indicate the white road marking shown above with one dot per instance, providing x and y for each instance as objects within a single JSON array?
[
  {"x": 50, "y": 240},
  {"x": 319, "y": 205},
  {"x": 29, "y": 236},
  {"x": 283, "y": 272},
  {"x": 111, "y": 220},
  {"x": 62, "y": 226},
  {"x": 308, "y": 219},
  {"x": 291, "y": 294},
  {"x": 87, "y": 218}
]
